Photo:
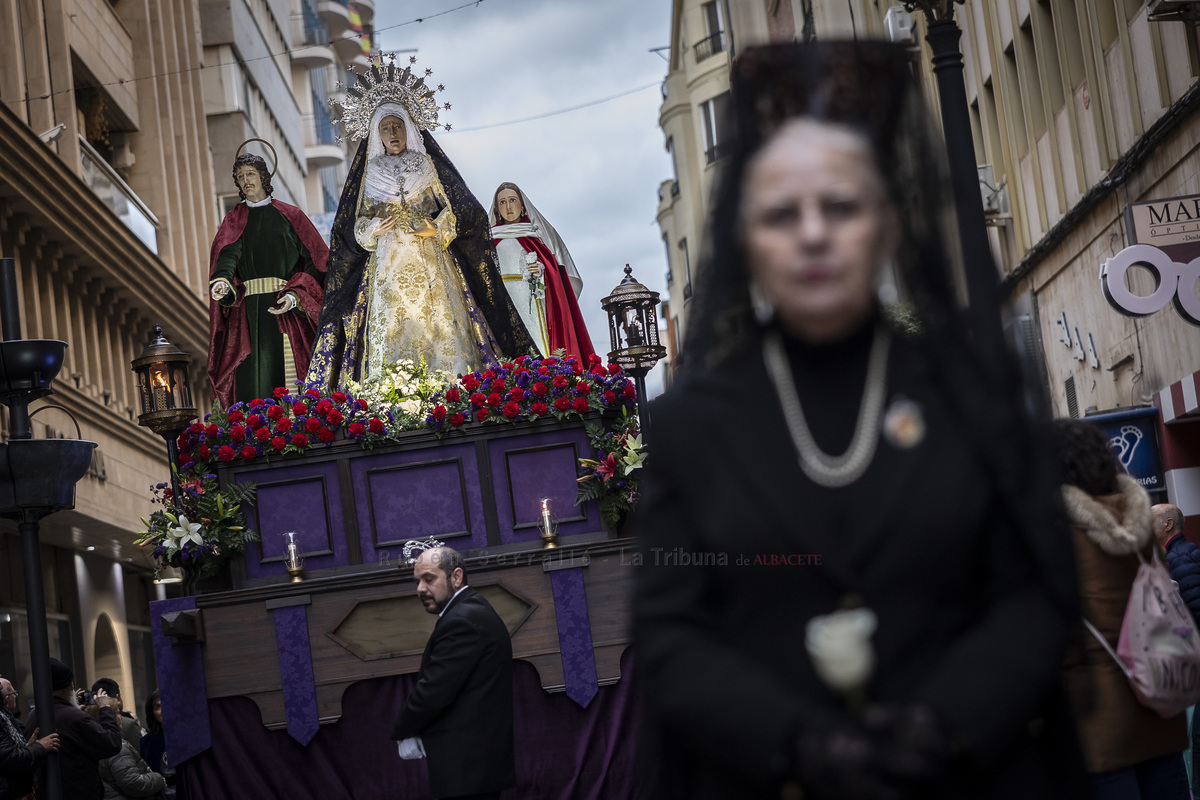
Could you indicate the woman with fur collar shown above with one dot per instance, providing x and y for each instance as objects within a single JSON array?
[{"x": 1130, "y": 751}]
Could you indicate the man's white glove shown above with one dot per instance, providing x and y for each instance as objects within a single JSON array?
[
  {"x": 285, "y": 304},
  {"x": 220, "y": 287},
  {"x": 411, "y": 748}
]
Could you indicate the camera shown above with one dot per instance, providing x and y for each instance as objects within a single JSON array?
[{"x": 87, "y": 698}]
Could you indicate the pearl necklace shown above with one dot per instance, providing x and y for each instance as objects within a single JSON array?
[{"x": 821, "y": 468}]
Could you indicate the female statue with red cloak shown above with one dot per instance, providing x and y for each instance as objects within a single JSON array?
[{"x": 539, "y": 274}]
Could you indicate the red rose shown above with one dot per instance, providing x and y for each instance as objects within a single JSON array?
[
  {"x": 550, "y": 361},
  {"x": 629, "y": 391},
  {"x": 488, "y": 375},
  {"x": 335, "y": 417},
  {"x": 236, "y": 415},
  {"x": 203, "y": 452},
  {"x": 577, "y": 368},
  {"x": 300, "y": 440},
  {"x": 339, "y": 397},
  {"x": 212, "y": 431},
  {"x": 598, "y": 371},
  {"x": 562, "y": 403},
  {"x": 284, "y": 425},
  {"x": 196, "y": 427},
  {"x": 522, "y": 359},
  {"x": 362, "y": 404},
  {"x": 594, "y": 360},
  {"x": 278, "y": 443},
  {"x": 256, "y": 402},
  {"x": 375, "y": 425},
  {"x": 580, "y": 405},
  {"x": 253, "y": 421},
  {"x": 517, "y": 394},
  {"x": 439, "y": 412},
  {"x": 481, "y": 414},
  {"x": 184, "y": 460},
  {"x": 325, "y": 435},
  {"x": 493, "y": 399},
  {"x": 312, "y": 425},
  {"x": 452, "y": 395},
  {"x": 356, "y": 429},
  {"x": 323, "y": 407},
  {"x": 262, "y": 434},
  {"x": 313, "y": 393},
  {"x": 299, "y": 409},
  {"x": 507, "y": 365},
  {"x": 560, "y": 381},
  {"x": 456, "y": 419},
  {"x": 539, "y": 389},
  {"x": 275, "y": 413},
  {"x": 543, "y": 371},
  {"x": 539, "y": 409},
  {"x": 478, "y": 399},
  {"x": 511, "y": 410},
  {"x": 280, "y": 391},
  {"x": 583, "y": 387},
  {"x": 248, "y": 452},
  {"x": 470, "y": 383},
  {"x": 614, "y": 369},
  {"x": 237, "y": 433},
  {"x": 226, "y": 453},
  {"x": 609, "y": 398},
  {"x": 498, "y": 385}
]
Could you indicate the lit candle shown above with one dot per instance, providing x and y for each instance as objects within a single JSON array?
[
  {"x": 546, "y": 516},
  {"x": 160, "y": 391}
]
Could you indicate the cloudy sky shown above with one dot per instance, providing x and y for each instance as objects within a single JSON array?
[{"x": 593, "y": 173}]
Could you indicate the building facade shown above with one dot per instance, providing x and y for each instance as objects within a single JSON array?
[{"x": 1085, "y": 125}]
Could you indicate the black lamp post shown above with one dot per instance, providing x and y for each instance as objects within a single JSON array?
[
  {"x": 37, "y": 478},
  {"x": 943, "y": 35},
  {"x": 165, "y": 391},
  {"x": 633, "y": 332}
]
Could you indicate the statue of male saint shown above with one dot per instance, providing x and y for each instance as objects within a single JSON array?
[{"x": 266, "y": 277}]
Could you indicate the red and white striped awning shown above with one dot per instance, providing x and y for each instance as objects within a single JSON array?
[{"x": 1178, "y": 402}]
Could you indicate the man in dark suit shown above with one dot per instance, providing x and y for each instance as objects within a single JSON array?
[{"x": 460, "y": 715}]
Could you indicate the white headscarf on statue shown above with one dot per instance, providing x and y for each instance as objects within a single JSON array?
[
  {"x": 539, "y": 228},
  {"x": 384, "y": 183}
]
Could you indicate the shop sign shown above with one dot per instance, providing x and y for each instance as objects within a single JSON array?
[
  {"x": 1133, "y": 436},
  {"x": 1164, "y": 240}
]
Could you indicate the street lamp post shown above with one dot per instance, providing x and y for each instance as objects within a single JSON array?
[
  {"x": 944, "y": 35},
  {"x": 633, "y": 334}
]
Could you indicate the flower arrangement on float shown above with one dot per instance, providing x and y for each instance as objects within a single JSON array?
[
  {"x": 409, "y": 397},
  {"x": 201, "y": 528}
]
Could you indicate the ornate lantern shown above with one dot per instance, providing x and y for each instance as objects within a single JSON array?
[
  {"x": 165, "y": 395},
  {"x": 633, "y": 331}
]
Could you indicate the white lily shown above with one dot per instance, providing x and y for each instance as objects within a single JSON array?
[
  {"x": 186, "y": 532},
  {"x": 634, "y": 457}
]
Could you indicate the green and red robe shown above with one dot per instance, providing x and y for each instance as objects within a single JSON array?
[{"x": 246, "y": 343}]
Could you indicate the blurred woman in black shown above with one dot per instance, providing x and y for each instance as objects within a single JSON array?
[{"x": 834, "y": 459}]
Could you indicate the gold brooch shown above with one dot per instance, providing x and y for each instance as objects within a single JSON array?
[{"x": 903, "y": 424}]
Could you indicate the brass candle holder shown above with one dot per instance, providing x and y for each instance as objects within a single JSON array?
[
  {"x": 293, "y": 562},
  {"x": 549, "y": 528}
]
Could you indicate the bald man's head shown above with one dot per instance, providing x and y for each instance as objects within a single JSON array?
[
  {"x": 1168, "y": 521},
  {"x": 439, "y": 575}
]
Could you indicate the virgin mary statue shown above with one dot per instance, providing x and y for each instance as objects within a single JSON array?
[{"x": 410, "y": 269}]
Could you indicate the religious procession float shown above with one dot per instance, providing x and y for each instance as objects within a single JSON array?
[{"x": 424, "y": 374}]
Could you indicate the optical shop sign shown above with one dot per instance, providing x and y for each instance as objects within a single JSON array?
[{"x": 1166, "y": 243}]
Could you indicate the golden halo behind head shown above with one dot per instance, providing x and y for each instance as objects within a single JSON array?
[{"x": 274, "y": 156}]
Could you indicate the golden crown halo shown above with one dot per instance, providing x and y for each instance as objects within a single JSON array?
[{"x": 385, "y": 83}]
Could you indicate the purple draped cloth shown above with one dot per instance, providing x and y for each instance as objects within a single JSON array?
[
  {"x": 574, "y": 634},
  {"x": 181, "y": 685},
  {"x": 564, "y": 752},
  {"x": 296, "y": 671}
]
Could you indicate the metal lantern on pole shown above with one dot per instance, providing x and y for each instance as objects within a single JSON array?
[
  {"x": 633, "y": 332},
  {"x": 165, "y": 395}
]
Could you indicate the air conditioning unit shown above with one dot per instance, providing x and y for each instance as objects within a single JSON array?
[
  {"x": 993, "y": 196},
  {"x": 900, "y": 26}
]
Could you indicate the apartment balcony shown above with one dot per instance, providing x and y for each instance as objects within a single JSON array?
[
  {"x": 349, "y": 47},
  {"x": 709, "y": 46},
  {"x": 366, "y": 8},
  {"x": 310, "y": 35},
  {"x": 116, "y": 194},
  {"x": 335, "y": 14}
]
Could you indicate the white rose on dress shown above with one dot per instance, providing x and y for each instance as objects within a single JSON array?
[{"x": 839, "y": 645}]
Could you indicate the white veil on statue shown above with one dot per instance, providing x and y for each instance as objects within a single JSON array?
[
  {"x": 539, "y": 228},
  {"x": 382, "y": 184}
]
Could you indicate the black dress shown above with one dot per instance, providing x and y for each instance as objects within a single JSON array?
[{"x": 965, "y": 623}]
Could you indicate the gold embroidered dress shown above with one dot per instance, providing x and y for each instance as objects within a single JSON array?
[{"x": 416, "y": 296}]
